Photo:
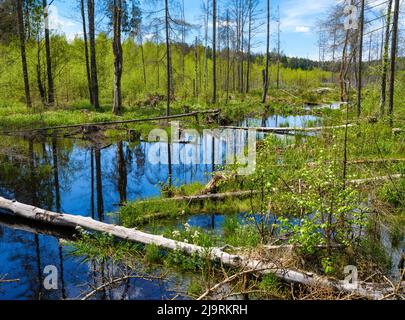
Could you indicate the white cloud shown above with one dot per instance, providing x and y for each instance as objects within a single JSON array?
[
  {"x": 297, "y": 16},
  {"x": 56, "y": 21},
  {"x": 302, "y": 29},
  {"x": 69, "y": 27}
]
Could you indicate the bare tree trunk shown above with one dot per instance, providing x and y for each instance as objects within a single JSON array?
[
  {"x": 168, "y": 59},
  {"x": 249, "y": 48},
  {"x": 183, "y": 42},
  {"x": 242, "y": 56},
  {"x": 214, "y": 51},
  {"x": 278, "y": 48},
  {"x": 51, "y": 89},
  {"x": 21, "y": 31},
  {"x": 157, "y": 58},
  {"x": 86, "y": 50},
  {"x": 360, "y": 61},
  {"x": 266, "y": 75},
  {"x": 384, "y": 72},
  {"x": 93, "y": 60},
  {"x": 143, "y": 62},
  {"x": 206, "y": 18},
  {"x": 394, "y": 48},
  {"x": 117, "y": 50},
  {"x": 342, "y": 79},
  {"x": 228, "y": 58},
  {"x": 41, "y": 88},
  {"x": 196, "y": 84}
]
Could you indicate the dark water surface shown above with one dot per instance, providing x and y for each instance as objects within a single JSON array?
[{"x": 83, "y": 179}]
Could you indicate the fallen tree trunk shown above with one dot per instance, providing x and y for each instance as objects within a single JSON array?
[
  {"x": 214, "y": 196},
  {"x": 375, "y": 179},
  {"x": 368, "y": 290},
  {"x": 363, "y": 161},
  {"x": 110, "y": 123},
  {"x": 287, "y": 130}
]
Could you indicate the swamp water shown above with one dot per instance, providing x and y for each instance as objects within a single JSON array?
[{"x": 76, "y": 177}]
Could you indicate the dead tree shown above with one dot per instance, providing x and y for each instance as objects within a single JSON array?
[
  {"x": 93, "y": 59},
  {"x": 384, "y": 72},
  {"x": 51, "y": 89},
  {"x": 168, "y": 59},
  {"x": 394, "y": 48},
  {"x": 117, "y": 50},
  {"x": 86, "y": 49},
  {"x": 21, "y": 31},
  {"x": 266, "y": 72},
  {"x": 214, "y": 51},
  {"x": 360, "y": 62},
  {"x": 278, "y": 46},
  {"x": 196, "y": 82}
]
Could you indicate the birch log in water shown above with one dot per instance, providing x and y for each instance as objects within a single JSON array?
[
  {"x": 368, "y": 290},
  {"x": 287, "y": 130}
]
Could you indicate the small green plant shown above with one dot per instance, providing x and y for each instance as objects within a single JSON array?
[
  {"x": 327, "y": 266},
  {"x": 194, "y": 288},
  {"x": 153, "y": 254},
  {"x": 270, "y": 283}
]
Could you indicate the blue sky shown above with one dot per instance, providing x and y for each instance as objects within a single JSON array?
[{"x": 298, "y": 22}]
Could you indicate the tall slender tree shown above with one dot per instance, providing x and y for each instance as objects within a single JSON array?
[
  {"x": 360, "y": 61},
  {"x": 93, "y": 59},
  {"x": 135, "y": 30},
  {"x": 21, "y": 32},
  {"x": 249, "y": 48},
  {"x": 278, "y": 20},
  {"x": 117, "y": 50},
  {"x": 86, "y": 50},
  {"x": 228, "y": 53},
  {"x": 385, "y": 58},
  {"x": 196, "y": 82},
  {"x": 214, "y": 51},
  {"x": 168, "y": 59},
  {"x": 266, "y": 71},
  {"x": 51, "y": 89},
  {"x": 394, "y": 50}
]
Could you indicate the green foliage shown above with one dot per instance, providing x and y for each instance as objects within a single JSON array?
[
  {"x": 153, "y": 254},
  {"x": 192, "y": 235},
  {"x": 102, "y": 247},
  {"x": 178, "y": 260},
  {"x": 329, "y": 210},
  {"x": 239, "y": 234},
  {"x": 394, "y": 193},
  {"x": 270, "y": 283},
  {"x": 328, "y": 266},
  {"x": 195, "y": 288}
]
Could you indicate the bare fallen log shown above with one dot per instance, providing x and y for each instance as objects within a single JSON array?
[
  {"x": 214, "y": 196},
  {"x": 109, "y": 123},
  {"x": 368, "y": 290},
  {"x": 288, "y": 130},
  {"x": 365, "y": 161},
  {"x": 375, "y": 179}
]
